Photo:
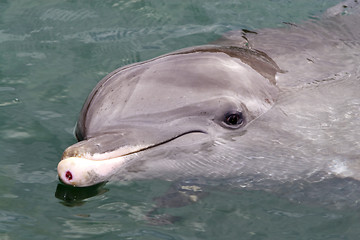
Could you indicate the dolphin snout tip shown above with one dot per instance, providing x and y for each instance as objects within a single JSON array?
[
  {"x": 84, "y": 172},
  {"x": 76, "y": 171},
  {"x": 65, "y": 171}
]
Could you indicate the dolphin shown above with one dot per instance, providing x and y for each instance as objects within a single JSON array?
[{"x": 276, "y": 104}]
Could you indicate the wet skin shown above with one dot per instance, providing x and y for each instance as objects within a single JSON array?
[{"x": 222, "y": 111}]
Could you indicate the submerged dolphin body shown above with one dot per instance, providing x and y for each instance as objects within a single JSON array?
[{"x": 281, "y": 104}]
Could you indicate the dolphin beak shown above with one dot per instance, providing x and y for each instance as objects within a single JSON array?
[
  {"x": 83, "y": 172},
  {"x": 95, "y": 160}
]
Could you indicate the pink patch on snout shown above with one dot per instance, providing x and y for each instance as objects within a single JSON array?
[{"x": 68, "y": 175}]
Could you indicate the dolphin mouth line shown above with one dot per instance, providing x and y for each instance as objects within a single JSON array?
[
  {"x": 164, "y": 142},
  {"x": 136, "y": 149}
]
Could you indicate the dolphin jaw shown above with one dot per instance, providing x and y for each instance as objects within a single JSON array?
[
  {"x": 81, "y": 169},
  {"x": 81, "y": 166},
  {"x": 83, "y": 172}
]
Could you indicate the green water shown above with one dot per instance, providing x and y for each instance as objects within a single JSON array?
[{"x": 52, "y": 53}]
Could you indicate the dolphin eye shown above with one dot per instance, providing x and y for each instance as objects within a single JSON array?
[{"x": 233, "y": 119}]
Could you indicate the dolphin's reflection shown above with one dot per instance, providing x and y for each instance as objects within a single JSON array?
[{"x": 75, "y": 196}]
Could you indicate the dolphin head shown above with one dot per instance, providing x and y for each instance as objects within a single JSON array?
[{"x": 141, "y": 118}]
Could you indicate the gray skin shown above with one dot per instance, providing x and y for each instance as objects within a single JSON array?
[{"x": 262, "y": 106}]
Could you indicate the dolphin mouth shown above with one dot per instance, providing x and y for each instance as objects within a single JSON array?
[{"x": 96, "y": 159}]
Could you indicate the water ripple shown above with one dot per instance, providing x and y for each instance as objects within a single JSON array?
[
  {"x": 66, "y": 15},
  {"x": 41, "y": 176},
  {"x": 4, "y": 37},
  {"x": 116, "y": 34},
  {"x": 10, "y": 219}
]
